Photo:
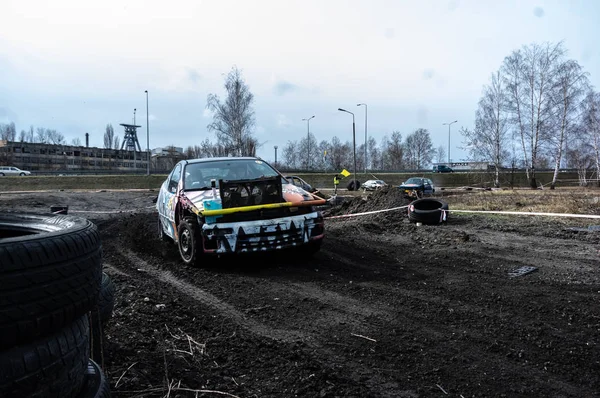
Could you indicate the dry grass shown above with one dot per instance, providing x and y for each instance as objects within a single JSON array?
[{"x": 570, "y": 201}]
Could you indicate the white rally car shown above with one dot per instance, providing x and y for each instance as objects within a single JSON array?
[{"x": 215, "y": 206}]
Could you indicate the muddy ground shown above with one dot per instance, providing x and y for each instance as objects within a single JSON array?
[{"x": 386, "y": 309}]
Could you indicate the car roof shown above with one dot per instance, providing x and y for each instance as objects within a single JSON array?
[{"x": 222, "y": 158}]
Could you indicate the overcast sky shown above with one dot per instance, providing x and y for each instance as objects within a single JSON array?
[{"x": 75, "y": 65}]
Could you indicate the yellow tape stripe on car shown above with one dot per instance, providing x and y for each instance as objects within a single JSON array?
[{"x": 257, "y": 207}]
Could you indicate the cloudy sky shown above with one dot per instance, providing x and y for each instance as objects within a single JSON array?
[{"x": 75, "y": 65}]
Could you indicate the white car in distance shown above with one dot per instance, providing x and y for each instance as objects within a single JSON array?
[
  {"x": 13, "y": 171},
  {"x": 372, "y": 185}
]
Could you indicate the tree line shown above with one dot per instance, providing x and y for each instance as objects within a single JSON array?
[
  {"x": 234, "y": 119},
  {"x": 538, "y": 110}
]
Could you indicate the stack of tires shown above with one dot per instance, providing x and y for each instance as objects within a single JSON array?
[
  {"x": 428, "y": 211},
  {"x": 50, "y": 284}
]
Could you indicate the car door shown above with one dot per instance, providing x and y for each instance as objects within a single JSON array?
[
  {"x": 167, "y": 199},
  {"x": 427, "y": 186}
]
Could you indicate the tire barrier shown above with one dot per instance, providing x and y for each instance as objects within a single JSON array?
[
  {"x": 95, "y": 383},
  {"x": 428, "y": 211},
  {"x": 106, "y": 299},
  {"x": 51, "y": 270},
  {"x": 99, "y": 316},
  {"x": 52, "y": 366},
  {"x": 52, "y": 281}
]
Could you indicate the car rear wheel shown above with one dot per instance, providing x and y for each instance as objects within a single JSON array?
[{"x": 187, "y": 242}]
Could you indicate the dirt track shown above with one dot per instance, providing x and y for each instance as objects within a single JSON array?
[{"x": 386, "y": 309}]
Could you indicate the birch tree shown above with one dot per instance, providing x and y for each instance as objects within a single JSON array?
[
  {"x": 489, "y": 140},
  {"x": 530, "y": 75},
  {"x": 570, "y": 87},
  {"x": 233, "y": 118}
]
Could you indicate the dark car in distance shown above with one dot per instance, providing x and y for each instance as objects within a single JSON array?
[
  {"x": 442, "y": 168},
  {"x": 417, "y": 187}
]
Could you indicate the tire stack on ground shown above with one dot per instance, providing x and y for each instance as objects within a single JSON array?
[
  {"x": 428, "y": 211},
  {"x": 50, "y": 281}
]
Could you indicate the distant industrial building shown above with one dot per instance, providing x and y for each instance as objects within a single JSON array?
[{"x": 80, "y": 159}]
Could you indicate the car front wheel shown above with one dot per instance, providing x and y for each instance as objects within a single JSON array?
[{"x": 187, "y": 243}]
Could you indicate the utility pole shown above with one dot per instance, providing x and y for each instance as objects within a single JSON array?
[
  {"x": 353, "y": 145},
  {"x": 365, "y": 135},
  {"x": 449, "y": 124},
  {"x": 308, "y": 141},
  {"x": 147, "y": 135}
]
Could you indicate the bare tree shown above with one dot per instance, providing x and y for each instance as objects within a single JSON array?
[
  {"x": 55, "y": 137},
  {"x": 591, "y": 128},
  {"x": 440, "y": 153},
  {"x": 8, "y": 131},
  {"x": 109, "y": 136},
  {"x": 23, "y": 136},
  {"x": 233, "y": 118},
  {"x": 489, "y": 140},
  {"x": 374, "y": 157},
  {"x": 116, "y": 142},
  {"x": 40, "y": 135},
  {"x": 76, "y": 141},
  {"x": 419, "y": 149},
  {"x": 571, "y": 85},
  {"x": 530, "y": 78},
  {"x": 290, "y": 155},
  {"x": 393, "y": 152}
]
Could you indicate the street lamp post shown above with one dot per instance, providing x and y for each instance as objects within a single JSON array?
[
  {"x": 308, "y": 141},
  {"x": 134, "y": 159},
  {"x": 353, "y": 145},
  {"x": 147, "y": 135},
  {"x": 365, "y": 135},
  {"x": 449, "y": 124}
]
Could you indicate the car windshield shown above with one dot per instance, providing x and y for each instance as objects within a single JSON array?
[
  {"x": 414, "y": 180},
  {"x": 198, "y": 175}
]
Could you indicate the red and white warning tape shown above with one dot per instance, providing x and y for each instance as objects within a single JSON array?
[{"x": 366, "y": 212}]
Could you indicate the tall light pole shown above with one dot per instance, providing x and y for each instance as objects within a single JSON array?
[
  {"x": 275, "y": 155},
  {"x": 365, "y": 135},
  {"x": 308, "y": 141},
  {"x": 147, "y": 135},
  {"x": 353, "y": 145},
  {"x": 134, "y": 159},
  {"x": 449, "y": 124}
]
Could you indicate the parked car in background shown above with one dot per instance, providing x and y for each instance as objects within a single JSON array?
[
  {"x": 299, "y": 182},
  {"x": 13, "y": 171},
  {"x": 417, "y": 187},
  {"x": 221, "y": 206},
  {"x": 372, "y": 185},
  {"x": 442, "y": 168}
]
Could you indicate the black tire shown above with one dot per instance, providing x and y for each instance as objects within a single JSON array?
[
  {"x": 106, "y": 299},
  {"x": 187, "y": 243},
  {"x": 22, "y": 174},
  {"x": 53, "y": 366},
  {"x": 1, "y": 174},
  {"x": 100, "y": 316},
  {"x": 428, "y": 211},
  {"x": 50, "y": 273},
  {"x": 95, "y": 384}
]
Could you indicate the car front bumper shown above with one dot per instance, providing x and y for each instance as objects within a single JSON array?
[{"x": 262, "y": 235}]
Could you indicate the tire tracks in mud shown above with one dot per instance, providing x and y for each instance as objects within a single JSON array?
[
  {"x": 352, "y": 310},
  {"x": 214, "y": 302}
]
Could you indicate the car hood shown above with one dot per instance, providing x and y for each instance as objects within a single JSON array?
[
  {"x": 291, "y": 193},
  {"x": 411, "y": 185}
]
